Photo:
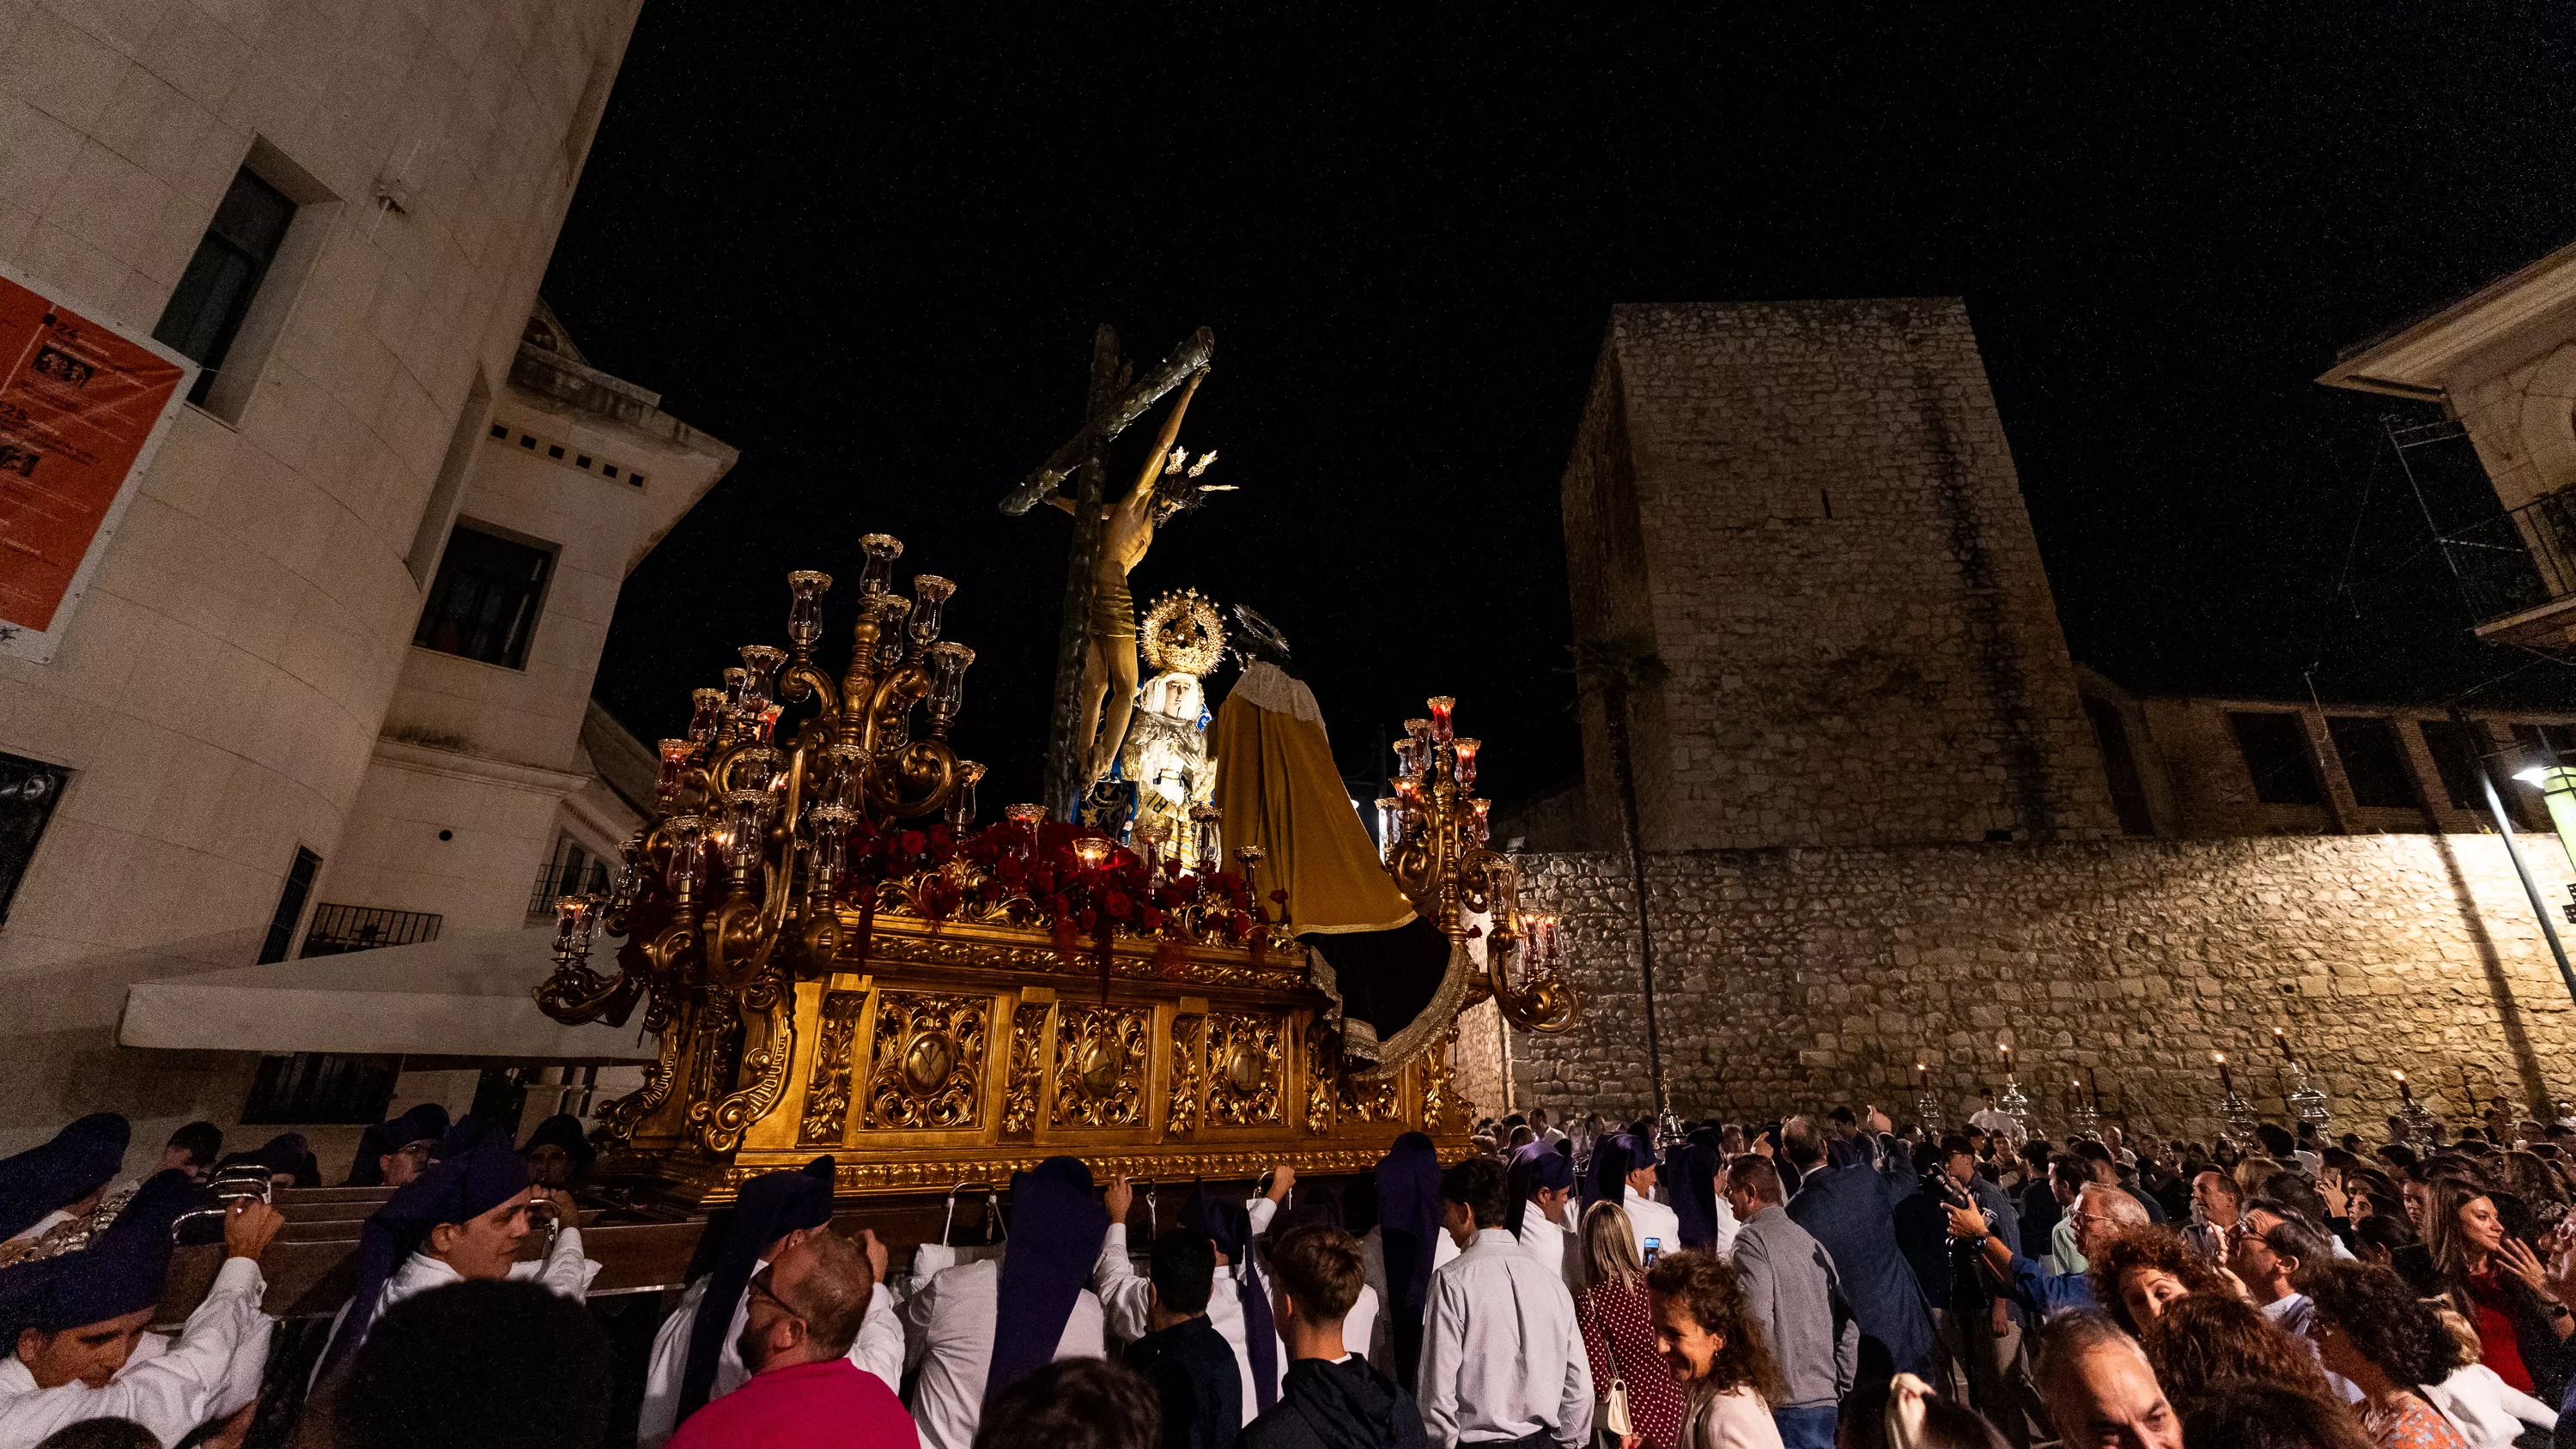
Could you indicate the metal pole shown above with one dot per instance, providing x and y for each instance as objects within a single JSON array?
[{"x": 2513, "y": 852}]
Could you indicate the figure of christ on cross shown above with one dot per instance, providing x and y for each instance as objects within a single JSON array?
[{"x": 1108, "y": 692}]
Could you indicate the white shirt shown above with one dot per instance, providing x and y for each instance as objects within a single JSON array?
[
  {"x": 948, "y": 1331},
  {"x": 563, "y": 1271},
  {"x": 1553, "y": 1243},
  {"x": 169, "y": 1386},
  {"x": 1381, "y": 1335},
  {"x": 1648, "y": 1218},
  {"x": 877, "y": 1350},
  {"x": 1501, "y": 1356},
  {"x": 2487, "y": 1411},
  {"x": 1990, "y": 1121}
]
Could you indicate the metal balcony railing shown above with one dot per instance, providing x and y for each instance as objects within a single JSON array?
[
  {"x": 2519, "y": 560},
  {"x": 338, "y": 929}
]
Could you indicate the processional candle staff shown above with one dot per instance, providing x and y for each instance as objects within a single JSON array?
[
  {"x": 2085, "y": 1119},
  {"x": 2233, "y": 1111},
  {"x": 1927, "y": 1102},
  {"x": 2307, "y": 1104},
  {"x": 2411, "y": 1114}
]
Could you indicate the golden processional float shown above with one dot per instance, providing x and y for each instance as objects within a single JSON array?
[{"x": 836, "y": 960}]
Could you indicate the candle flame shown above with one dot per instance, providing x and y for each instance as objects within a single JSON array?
[
  {"x": 2401, "y": 1076},
  {"x": 2219, "y": 1057}
]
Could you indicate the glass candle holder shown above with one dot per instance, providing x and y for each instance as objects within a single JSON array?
[
  {"x": 688, "y": 862},
  {"x": 1026, "y": 817},
  {"x": 930, "y": 593},
  {"x": 760, "y": 667},
  {"x": 735, "y": 682},
  {"x": 882, "y": 550},
  {"x": 1390, "y": 826},
  {"x": 1149, "y": 846},
  {"x": 630, "y": 874},
  {"x": 574, "y": 918},
  {"x": 891, "y": 612},
  {"x": 1092, "y": 851},
  {"x": 752, "y": 770},
  {"x": 706, "y": 712},
  {"x": 1441, "y": 705},
  {"x": 1408, "y": 792},
  {"x": 675, "y": 769},
  {"x": 1207, "y": 837},
  {"x": 1249, "y": 858},
  {"x": 1466, "y": 752},
  {"x": 1408, "y": 756},
  {"x": 828, "y": 850},
  {"x": 1484, "y": 828},
  {"x": 805, "y": 590},
  {"x": 743, "y": 811},
  {"x": 1418, "y": 730},
  {"x": 949, "y": 661},
  {"x": 961, "y": 797}
]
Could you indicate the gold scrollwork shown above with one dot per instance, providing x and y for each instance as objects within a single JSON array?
[
  {"x": 1027, "y": 1069},
  {"x": 1099, "y": 1067},
  {"x": 1245, "y": 1068},
  {"x": 1182, "y": 1118},
  {"x": 1372, "y": 1101},
  {"x": 1437, "y": 1102},
  {"x": 826, "y": 1121},
  {"x": 1319, "y": 1083},
  {"x": 929, "y": 1069},
  {"x": 721, "y": 1123},
  {"x": 627, "y": 1113}
]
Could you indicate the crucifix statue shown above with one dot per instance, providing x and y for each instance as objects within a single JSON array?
[{"x": 1098, "y": 634}]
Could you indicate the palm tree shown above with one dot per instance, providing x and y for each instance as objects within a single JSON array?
[{"x": 1613, "y": 670}]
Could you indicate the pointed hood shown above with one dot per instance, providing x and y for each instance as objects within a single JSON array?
[
  {"x": 81, "y": 1159},
  {"x": 1057, "y": 1226}
]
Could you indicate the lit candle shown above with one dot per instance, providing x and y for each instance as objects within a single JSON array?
[
  {"x": 1466, "y": 756},
  {"x": 2281, "y": 1039},
  {"x": 1441, "y": 705},
  {"x": 1091, "y": 850},
  {"x": 675, "y": 759},
  {"x": 1921, "y": 1080},
  {"x": 2225, "y": 1078},
  {"x": 2404, "y": 1091}
]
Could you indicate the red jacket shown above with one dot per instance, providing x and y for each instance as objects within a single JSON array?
[{"x": 834, "y": 1405}]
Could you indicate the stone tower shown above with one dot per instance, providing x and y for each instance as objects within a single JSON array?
[{"x": 1810, "y": 510}]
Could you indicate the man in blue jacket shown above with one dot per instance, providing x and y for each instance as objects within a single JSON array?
[{"x": 1852, "y": 1211}]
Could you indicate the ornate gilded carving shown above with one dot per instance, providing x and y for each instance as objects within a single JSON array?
[
  {"x": 929, "y": 1060},
  {"x": 1099, "y": 1067},
  {"x": 966, "y": 953},
  {"x": 720, "y": 1123},
  {"x": 1438, "y": 1104},
  {"x": 858, "y": 1174},
  {"x": 1319, "y": 1082},
  {"x": 827, "y": 1085},
  {"x": 1027, "y": 1069},
  {"x": 1372, "y": 1101},
  {"x": 1247, "y": 1069},
  {"x": 1182, "y": 1116},
  {"x": 627, "y": 1113}
]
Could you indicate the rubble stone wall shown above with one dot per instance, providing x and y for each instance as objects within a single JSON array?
[{"x": 1799, "y": 978}]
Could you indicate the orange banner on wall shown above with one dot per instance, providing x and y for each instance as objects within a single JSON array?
[{"x": 78, "y": 403}]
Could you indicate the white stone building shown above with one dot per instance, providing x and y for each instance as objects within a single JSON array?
[{"x": 335, "y": 656}]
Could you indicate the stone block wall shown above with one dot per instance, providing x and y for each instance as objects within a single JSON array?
[
  {"x": 1796, "y": 979},
  {"x": 1812, "y": 510}
]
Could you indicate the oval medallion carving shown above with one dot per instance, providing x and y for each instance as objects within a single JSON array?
[
  {"x": 1245, "y": 1069},
  {"x": 927, "y": 1064},
  {"x": 1097, "y": 1069}
]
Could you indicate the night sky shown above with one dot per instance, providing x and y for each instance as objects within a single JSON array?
[{"x": 868, "y": 248}]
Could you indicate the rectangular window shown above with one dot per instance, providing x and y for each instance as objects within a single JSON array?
[
  {"x": 322, "y": 1088},
  {"x": 290, "y": 905},
  {"x": 2277, "y": 755},
  {"x": 2455, "y": 754},
  {"x": 2374, "y": 762},
  {"x": 569, "y": 871},
  {"x": 28, "y": 790},
  {"x": 2120, "y": 767},
  {"x": 214, "y": 294},
  {"x": 2545, "y": 744},
  {"x": 484, "y": 603},
  {"x": 339, "y": 929}
]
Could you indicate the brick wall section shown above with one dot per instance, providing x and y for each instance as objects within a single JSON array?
[
  {"x": 1835, "y": 562},
  {"x": 1800, "y": 978}
]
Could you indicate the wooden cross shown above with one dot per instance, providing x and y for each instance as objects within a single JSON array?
[{"x": 1115, "y": 401}]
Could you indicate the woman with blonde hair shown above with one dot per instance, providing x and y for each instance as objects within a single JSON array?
[{"x": 1616, "y": 1315}]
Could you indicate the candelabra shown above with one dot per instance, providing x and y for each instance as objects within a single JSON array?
[
  {"x": 1440, "y": 859},
  {"x": 734, "y": 878},
  {"x": 1927, "y": 1102},
  {"x": 2417, "y": 1121},
  {"x": 2013, "y": 1103},
  {"x": 2234, "y": 1112},
  {"x": 2084, "y": 1119},
  {"x": 2307, "y": 1105}
]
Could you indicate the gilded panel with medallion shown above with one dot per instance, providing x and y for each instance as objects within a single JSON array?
[
  {"x": 1100, "y": 1066},
  {"x": 929, "y": 1071},
  {"x": 1247, "y": 1069}
]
